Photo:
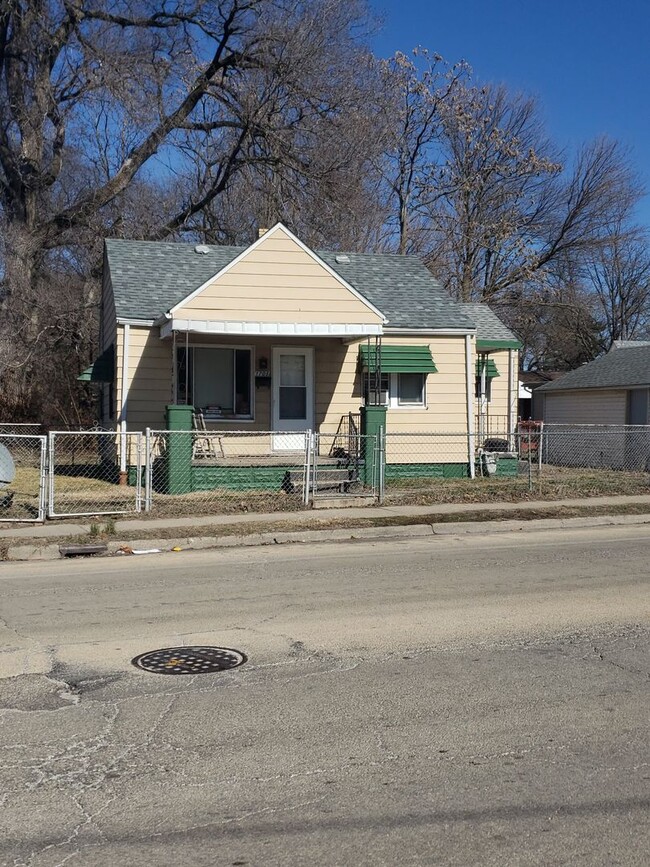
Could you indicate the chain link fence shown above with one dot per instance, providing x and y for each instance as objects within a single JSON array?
[
  {"x": 94, "y": 473},
  {"x": 204, "y": 472},
  {"x": 22, "y": 477},
  {"x": 614, "y": 447},
  {"x": 345, "y": 466},
  {"x": 24, "y": 428},
  {"x": 425, "y": 466},
  {"x": 169, "y": 473}
]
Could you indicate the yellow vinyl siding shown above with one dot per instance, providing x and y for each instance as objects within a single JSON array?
[
  {"x": 445, "y": 411},
  {"x": 498, "y": 407},
  {"x": 277, "y": 282},
  {"x": 149, "y": 377},
  {"x": 338, "y": 391}
]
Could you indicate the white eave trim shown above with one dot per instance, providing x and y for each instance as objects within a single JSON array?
[
  {"x": 280, "y": 227},
  {"x": 143, "y": 323},
  {"x": 279, "y": 329},
  {"x": 438, "y": 332}
]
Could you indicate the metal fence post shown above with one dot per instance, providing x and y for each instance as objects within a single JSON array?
[
  {"x": 50, "y": 470},
  {"x": 306, "y": 479},
  {"x": 42, "y": 491},
  {"x": 147, "y": 470},
  {"x": 382, "y": 465},
  {"x": 314, "y": 466},
  {"x": 530, "y": 465}
]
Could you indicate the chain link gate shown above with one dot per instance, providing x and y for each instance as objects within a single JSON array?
[
  {"x": 224, "y": 471},
  {"x": 23, "y": 466},
  {"x": 94, "y": 473},
  {"x": 351, "y": 466}
]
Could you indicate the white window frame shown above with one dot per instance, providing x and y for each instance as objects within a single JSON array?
[
  {"x": 234, "y": 419},
  {"x": 397, "y": 403},
  {"x": 392, "y": 400}
]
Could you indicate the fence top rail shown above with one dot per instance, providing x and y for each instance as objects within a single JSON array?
[
  {"x": 109, "y": 431},
  {"x": 605, "y": 427},
  {"x": 445, "y": 433},
  {"x": 228, "y": 433},
  {"x": 23, "y": 436}
]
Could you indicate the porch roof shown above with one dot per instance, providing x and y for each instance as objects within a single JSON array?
[{"x": 274, "y": 329}]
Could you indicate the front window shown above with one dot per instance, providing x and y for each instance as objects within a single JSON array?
[{"x": 216, "y": 380}]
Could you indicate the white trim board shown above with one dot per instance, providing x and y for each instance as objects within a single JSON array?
[
  {"x": 276, "y": 329},
  {"x": 137, "y": 323},
  {"x": 280, "y": 227}
]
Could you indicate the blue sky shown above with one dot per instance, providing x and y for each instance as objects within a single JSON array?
[{"x": 587, "y": 61}]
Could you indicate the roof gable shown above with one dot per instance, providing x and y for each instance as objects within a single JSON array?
[{"x": 278, "y": 277}]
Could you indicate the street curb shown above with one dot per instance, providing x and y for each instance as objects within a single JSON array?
[{"x": 463, "y": 528}]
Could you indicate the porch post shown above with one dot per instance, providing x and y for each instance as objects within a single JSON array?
[
  {"x": 373, "y": 421},
  {"x": 179, "y": 448}
]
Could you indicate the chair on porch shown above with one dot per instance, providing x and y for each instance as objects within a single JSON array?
[{"x": 205, "y": 443}]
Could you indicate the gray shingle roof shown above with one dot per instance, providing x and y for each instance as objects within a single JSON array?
[
  {"x": 619, "y": 368},
  {"x": 149, "y": 278},
  {"x": 401, "y": 287},
  {"x": 488, "y": 324}
]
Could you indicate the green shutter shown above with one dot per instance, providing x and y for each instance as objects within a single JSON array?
[
  {"x": 398, "y": 359},
  {"x": 102, "y": 369},
  {"x": 490, "y": 368}
]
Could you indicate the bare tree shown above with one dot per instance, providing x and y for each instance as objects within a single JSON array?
[
  {"x": 410, "y": 128},
  {"x": 619, "y": 273},
  {"x": 103, "y": 109}
]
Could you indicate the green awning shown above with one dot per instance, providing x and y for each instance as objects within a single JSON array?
[
  {"x": 492, "y": 345},
  {"x": 398, "y": 359},
  {"x": 102, "y": 369},
  {"x": 490, "y": 368}
]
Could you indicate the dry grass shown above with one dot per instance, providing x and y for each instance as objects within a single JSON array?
[
  {"x": 311, "y": 522},
  {"x": 556, "y": 483},
  {"x": 77, "y": 494}
]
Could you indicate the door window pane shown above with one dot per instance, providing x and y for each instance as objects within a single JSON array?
[{"x": 292, "y": 370}]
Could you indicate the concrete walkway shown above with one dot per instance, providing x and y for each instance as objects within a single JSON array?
[{"x": 210, "y": 524}]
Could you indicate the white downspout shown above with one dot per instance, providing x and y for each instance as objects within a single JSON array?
[
  {"x": 125, "y": 396},
  {"x": 482, "y": 402},
  {"x": 470, "y": 404},
  {"x": 511, "y": 399}
]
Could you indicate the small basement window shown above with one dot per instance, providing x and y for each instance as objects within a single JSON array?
[{"x": 215, "y": 379}]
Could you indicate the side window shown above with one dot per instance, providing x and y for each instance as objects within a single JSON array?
[{"x": 410, "y": 389}]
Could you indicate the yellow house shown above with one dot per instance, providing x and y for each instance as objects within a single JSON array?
[{"x": 278, "y": 337}]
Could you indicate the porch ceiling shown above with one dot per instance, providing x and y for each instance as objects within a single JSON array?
[{"x": 279, "y": 329}]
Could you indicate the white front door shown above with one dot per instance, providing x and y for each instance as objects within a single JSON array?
[{"x": 292, "y": 375}]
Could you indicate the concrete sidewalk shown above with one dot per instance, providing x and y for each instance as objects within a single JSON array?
[
  {"x": 216, "y": 531},
  {"x": 60, "y": 529}
]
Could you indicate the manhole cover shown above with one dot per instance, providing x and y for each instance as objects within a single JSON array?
[{"x": 189, "y": 660}]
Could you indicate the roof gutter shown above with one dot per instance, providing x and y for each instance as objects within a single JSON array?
[
  {"x": 438, "y": 332},
  {"x": 142, "y": 323}
]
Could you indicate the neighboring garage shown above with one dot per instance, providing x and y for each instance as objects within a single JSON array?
[
  {"x": 598, "y": 415},
  {"x": 613, "y": 389}
]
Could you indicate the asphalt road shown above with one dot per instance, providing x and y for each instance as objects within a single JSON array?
[{"x": 451, "y": 701}]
